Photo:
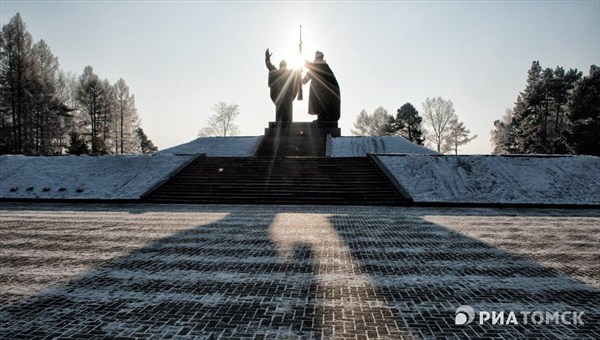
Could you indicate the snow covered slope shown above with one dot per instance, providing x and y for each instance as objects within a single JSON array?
[
  {"x": 339, "y": 147},
  {"x": 426, "y": 177},
  {"x": 498, "y": 179},
  {"x": 360, "y": 146},
  {"x": 84, "y": 177},
  {"x": 218, "y": 146}
]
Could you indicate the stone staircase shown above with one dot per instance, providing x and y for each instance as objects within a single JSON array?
[{"x": 279, "y": 180}]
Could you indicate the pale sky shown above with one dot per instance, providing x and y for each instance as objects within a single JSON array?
[{"x": 181, "y": 57}]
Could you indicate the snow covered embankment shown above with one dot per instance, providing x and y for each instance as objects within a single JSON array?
[
  {"x": 84, "y": 177},
  {"x": 498, "y": 179},
  {"x": 218, "y": 146},
  {"x": 360, "y": 146}
]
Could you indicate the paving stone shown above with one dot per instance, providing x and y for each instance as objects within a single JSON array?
[{"x": 216, "y": 271}]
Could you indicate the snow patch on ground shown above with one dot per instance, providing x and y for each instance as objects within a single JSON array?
[
  {"x": 218, "y": 146},
  {"x": 498, "y": 179},
  {"x": 360, "y": 146},
  {"x": 106, "y": 177}
]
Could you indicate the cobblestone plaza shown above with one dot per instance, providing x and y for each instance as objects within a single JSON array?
[{"x": 210, "y": 271}]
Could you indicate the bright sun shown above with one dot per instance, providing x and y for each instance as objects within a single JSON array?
[{"x": 298, "y": 62}]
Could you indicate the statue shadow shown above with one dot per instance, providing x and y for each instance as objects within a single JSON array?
[
  {"x": 296, "y": 272},
  {"x": 198, "y": 282},
  {"x": 423, "y": 271}
]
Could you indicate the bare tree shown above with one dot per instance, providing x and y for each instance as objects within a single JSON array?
[
  {"x": 48, "y": 111},
  {"x": 362, "y": 125},
  {"x": 372, "y": 125},
  {"x": 126, "y": 119},
  {"x": 71, "y": 120},
  {"x": 108, "y": 111},
  {"x": 458, "y": 135},
  {"x": 66, "y": 88},
  {"x": 220, "y": 123},
  {"x": 89, "y": 95},
  {"x": 437, "y": 114}
]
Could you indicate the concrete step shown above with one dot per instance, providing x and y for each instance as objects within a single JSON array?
[{"x": 279, "y": 180}]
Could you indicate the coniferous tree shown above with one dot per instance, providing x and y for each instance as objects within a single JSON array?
[
  {"x": 77, "y": 145},
  {"x": 584, "y": 115},
  {"x": 527, "y": 113},
  {"x": 146, "y": 144},
  {"x": 407, "y": 124},
  {"x": 561, "y": 89},
  {"x": 17, "y": 86},
  {"x": 540, "y": 120},
  {"x": 502, "y": 136}
]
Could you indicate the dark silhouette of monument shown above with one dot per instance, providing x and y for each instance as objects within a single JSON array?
[
  {"x": 285, "y": 138},
  {"x": 284, "y": 85},
  {"x": 324, "y": 93}
]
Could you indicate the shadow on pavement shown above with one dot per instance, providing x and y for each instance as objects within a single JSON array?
[
  {"x": 291, "y": 271},
  {"x": 425, "y": 271}
]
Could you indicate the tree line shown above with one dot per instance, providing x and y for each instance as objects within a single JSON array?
[
  {"x": 46, "y": 111},
  {"x": 439, "y": 126},
  {"x": 557, "y": 113}
]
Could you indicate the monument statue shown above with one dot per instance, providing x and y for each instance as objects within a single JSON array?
[
  {"x": 284, "y": 85},
  {"x": 284, "y": 138},
  {"x": 324, "y": 92}
]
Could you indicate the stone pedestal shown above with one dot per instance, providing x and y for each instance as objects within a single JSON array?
[{"x": 284, "y": 139}]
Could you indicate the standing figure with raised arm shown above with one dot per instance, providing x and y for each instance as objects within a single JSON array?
[
  {"x": 324, "y": 94},
  {"x": 284, "y": 86}
]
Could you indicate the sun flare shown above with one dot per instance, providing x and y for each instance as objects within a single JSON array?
[{"x": 298, "y": 62}]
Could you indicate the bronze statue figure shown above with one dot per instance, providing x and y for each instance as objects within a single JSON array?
[
  {"x": 324, "y": 94},
  {"x": 284, "y": 85}
]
